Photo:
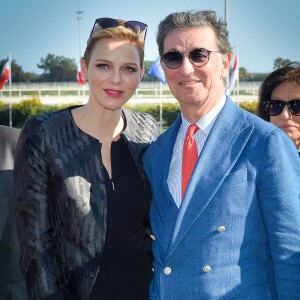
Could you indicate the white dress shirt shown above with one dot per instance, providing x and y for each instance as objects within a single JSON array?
[{"x": 205, "y": 125}]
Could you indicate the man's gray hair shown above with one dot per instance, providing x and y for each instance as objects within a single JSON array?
[{"x": 194, "y": 19}]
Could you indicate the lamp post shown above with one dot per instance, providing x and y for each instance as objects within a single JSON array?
[
  {"x": 79, "y": 18},
  {"x": 226, "y": 13}
]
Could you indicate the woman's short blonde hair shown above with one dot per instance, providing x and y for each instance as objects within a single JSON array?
[{"x": 120, "y": 33}]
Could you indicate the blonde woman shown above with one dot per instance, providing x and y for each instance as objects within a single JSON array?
[{"x": 81, "y": 193}]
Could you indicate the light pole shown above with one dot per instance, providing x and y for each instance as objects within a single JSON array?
[
  {"x": 79, "y": 18},
  {"x": 226, "y": 13}
]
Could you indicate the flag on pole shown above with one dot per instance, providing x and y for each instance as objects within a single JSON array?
[
  {"x": 80, "y": 79},
  {"x": 234, "y": 76},
  {"x": 157, "y": 71},
  {"x": 5, "y": 74}
]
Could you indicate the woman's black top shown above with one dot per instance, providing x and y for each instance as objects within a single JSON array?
[
  {"x": 61, "y": 201},
  {"x": 126, "y": 266}
]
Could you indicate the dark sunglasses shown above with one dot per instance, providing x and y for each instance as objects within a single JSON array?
[
  {"x": 198, "y": 57},
  {"x": 135, "y": 26},
  {"x": 275, "y": 107}
]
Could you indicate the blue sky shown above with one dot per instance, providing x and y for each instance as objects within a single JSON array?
[{"x": 261, "y": 30}]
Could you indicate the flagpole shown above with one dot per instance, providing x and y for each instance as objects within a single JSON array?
[
  {"x": 82, "y": 90},
  {"x": 238, "y": 87},
  {"x": 157, "y": 71},
  {"x": 226, "y": 22},
  {"x": 160, "y": 108},
  {"x": 10, "y": 71},
  {"x": 79, "y": 18}
]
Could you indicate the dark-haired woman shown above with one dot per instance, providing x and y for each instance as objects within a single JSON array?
[{"x": 279, "y": 101}]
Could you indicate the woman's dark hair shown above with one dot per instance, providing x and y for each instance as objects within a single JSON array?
[{"x": 289, "y": 73}]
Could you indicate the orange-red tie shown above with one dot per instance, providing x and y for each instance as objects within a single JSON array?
[{"x": 189, "y": 156}]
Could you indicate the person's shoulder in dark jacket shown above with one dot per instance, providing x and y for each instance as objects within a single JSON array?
[{"x": 12, "y": 283}]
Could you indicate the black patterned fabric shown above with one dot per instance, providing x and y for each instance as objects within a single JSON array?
[{"x": 61, "y": 201}]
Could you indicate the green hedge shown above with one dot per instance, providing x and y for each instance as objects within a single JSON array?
[
  {"x": 27, "y": 108},
  {"x": 24, "y": 110},
  {"x": 170, "y": 111},
  {"x": 250, "y": 106}
]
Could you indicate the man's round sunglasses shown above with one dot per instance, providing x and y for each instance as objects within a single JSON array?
[
  {"x": 275, "y": 107},
  {"x": 198, "y": 57},
  {"x": 136, "y": 26}
]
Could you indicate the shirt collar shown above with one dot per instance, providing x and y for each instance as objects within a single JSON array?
[{"x": 206, "y": 120}]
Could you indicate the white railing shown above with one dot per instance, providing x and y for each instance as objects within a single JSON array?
[{"x": 147, "y": 92}]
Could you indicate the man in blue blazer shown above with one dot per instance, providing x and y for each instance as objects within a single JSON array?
[
  {"x": 12, "y": 283},
  {"x": 235, "y": 232}
]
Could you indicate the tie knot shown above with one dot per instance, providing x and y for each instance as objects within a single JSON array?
[{"x": 193, "y": 128}]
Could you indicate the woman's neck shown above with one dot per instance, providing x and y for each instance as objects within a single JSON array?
[{"x": 105, "y": 125}]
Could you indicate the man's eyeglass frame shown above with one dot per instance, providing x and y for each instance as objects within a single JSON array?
[{"x": 192, "y": 56}]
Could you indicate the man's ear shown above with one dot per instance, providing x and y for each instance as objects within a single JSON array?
[{"x": 226, "y": 64}]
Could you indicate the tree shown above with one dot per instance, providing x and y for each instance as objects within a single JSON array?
[
  {"x": 16, "y": 70},
  {"x": 58, "y": 68},
  {"x": 17, "y": 73},
  {"x": 243, "y": 74},
  {"x": 281, "y": 62},
  {"x": 30, "y": 77},
  {"x": 147, "y": 77}
]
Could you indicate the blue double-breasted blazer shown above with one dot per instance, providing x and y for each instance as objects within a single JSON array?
[{"x": 236, "y": 234}]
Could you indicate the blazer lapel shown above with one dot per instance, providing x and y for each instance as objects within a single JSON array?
[
  {"x": 223, "y": 147},
  {"x": 162, "y": 157}
]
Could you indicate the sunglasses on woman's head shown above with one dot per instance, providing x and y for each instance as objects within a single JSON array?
[
  {"x": 275, "y": 107},
  {"x": 136, "y": 26},
  {"x": 198, "y": 57}
]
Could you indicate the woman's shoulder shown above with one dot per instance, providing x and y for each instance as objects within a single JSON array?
[
  {"x": 49, "y": 124},
  {"x": 8, "y": 132},
  {"x": 49, "y": 120},
  {"x": 140, "y": 123},
  {"x": 132, "y": 113}
]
